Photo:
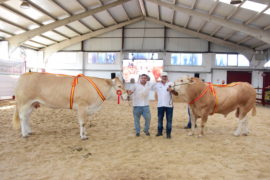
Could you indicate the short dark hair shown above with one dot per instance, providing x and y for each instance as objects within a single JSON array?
[{"x": 144, "y": 75}]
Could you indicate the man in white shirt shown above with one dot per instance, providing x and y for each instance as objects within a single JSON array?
[
  {"x": 165, "y": 104},
  {"x": 140, "y": 93}
]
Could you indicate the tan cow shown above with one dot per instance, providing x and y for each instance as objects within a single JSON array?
[
  {"x": 55, "y": 91},
  {"x": 206, "y": 99}
]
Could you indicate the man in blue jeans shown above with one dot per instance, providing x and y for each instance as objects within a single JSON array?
[
  {"x": 165, "y": 104},
  {"x": 140, "y": 93}
]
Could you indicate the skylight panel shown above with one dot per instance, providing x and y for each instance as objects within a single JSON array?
[
  {"x": 225, "y": 1},
  {"x": 258, "y": 7},
  {"x": 267, "y": 11}
]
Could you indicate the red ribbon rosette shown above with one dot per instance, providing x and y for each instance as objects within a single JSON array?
[{"x": 119, "y": 93}]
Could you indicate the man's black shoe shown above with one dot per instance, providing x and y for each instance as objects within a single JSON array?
[
  {"x": 159, "y": 134},
  {"x": 147, "y": 133},
  {"x": 168, "y": 136},
  {"x": 137, "y": 134}
]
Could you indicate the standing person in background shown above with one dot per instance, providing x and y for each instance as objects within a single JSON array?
[
  {"x": 223, "y": 82},
  {"x": 140, "y": 93},
  {"x": 165, "y": 105}
]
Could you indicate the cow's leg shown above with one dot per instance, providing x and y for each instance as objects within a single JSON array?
[
  {"x": 203, "y": 122},
  {"x": 193, "y": 123},
  {"x": 82, "y": 115},
  {"x": 24, "y": 114},
  {"x": 245, "y": 126},
  {"x": 237, "y": 132}
]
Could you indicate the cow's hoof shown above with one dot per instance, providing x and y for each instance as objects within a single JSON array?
[
  {"x": 84, "y": 138},
  {"x": 25, "y": 135},
  {"x": 190, "y": 133},
  {"x": 236, "y": 134},
  {"x": 200, "y": 135},
  {"x": 245, "y": 134}
]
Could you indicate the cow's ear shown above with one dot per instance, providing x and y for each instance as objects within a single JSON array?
[{"x": 191, "y": 80}]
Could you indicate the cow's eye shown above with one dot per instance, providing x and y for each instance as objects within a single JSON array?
[
  {"x": 181, "y": 80},
  {"x": 119, "y": 86}
]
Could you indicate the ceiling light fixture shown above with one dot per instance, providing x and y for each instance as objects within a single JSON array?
[
  {"x": 25, "y": 4},
  {"x": 236, "y": 1}
]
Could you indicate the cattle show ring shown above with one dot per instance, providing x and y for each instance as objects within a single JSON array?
[{"x": 134, "y": 90}]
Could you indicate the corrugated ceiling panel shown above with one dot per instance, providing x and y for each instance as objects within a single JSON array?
[
  {"x": 223, "y": 32},
  {"x": 151, "y": 9},
  {"x": 72, "y": 5},
  {"x": 31, "y": 12},
  {"x": 224, "y": 9},
  {"x": 54, "y": 35},
  {"x": 166, "y": 14},
  {"x": 42, "y": 40},
  {"x": 194, "y": 23},
  {"x": 133, "y": 9},
  {"x": 92, "y": 22},
  {"x": 104, "y": 18},
  {"x": 237, "y": 36},
  {"x": 79, "y": 27},
  {"x": 251, "y": 42},
  {"x": 202, "y": 5},
  {"x": 66, "y": 31},
  {"x": 243, "y": 14},
  {"x": 263, "y": 21},
  {"x": 33, "y": 44},
  {"x": 143, "y": 24},
  {"x": 184, "y": 3},
  {"x": 50, "y": 7},
  {"x": 118, "y": 13},
  {"x": 180, "y": 18},
  {"x": 9, "y": 28},
  {"x": 4, "y": 35},
  {"x": 4, "y": 13},
  {"x": 209, "y": 28},
  {"x": 90, "y": 4}
]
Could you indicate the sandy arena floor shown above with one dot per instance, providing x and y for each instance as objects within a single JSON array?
[{"x": 112, "y": 151}]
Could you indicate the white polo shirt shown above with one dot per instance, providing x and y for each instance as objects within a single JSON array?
[
  {"x": 164, "y": 96},
  {"x": 141, "y": 93}
]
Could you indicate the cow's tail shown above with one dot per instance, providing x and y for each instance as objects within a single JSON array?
[
  {"x": 16, "y": 118},
  {"x": 253, "y": 111}
]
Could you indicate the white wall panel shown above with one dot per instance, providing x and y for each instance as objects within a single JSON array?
[
  {"x": 75, "y": 47},
  {"x": 144, "y": 44},
  {"x": 173, "y": 33},
  {"x": 218, "y": 76},
  {"x": 7, "y": 85},
  {"x": 111, "y": 41},
  {"x": 101, "y": 74},
  {"x": 218, "y": 48},
  {"x": 103, "y": 44},
  {"x": 186, "y": 44},
  {"x": 115, "y": 33}
]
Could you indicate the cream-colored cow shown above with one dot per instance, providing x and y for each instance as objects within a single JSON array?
[
  {"x": 206, "y": 99},
  {"x": 54, "y": 91}
]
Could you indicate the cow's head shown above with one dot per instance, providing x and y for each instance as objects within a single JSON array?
[
  {"x": 120, "y": 87},
  {"x": 180, "y": 85}
]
